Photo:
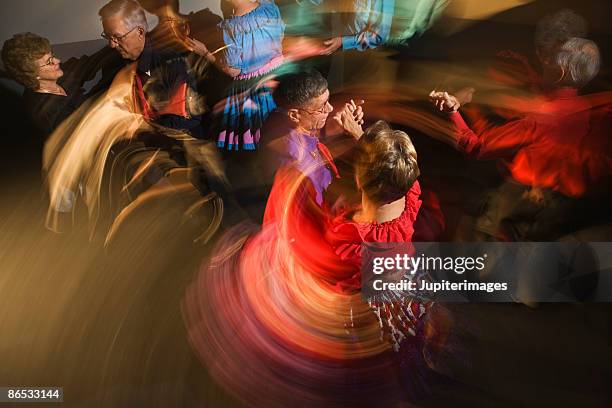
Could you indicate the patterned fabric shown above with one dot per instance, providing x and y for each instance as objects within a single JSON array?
[
  {"x": 254, "y": 46},
  {"x": 243, "y": 112},
  {"x": 399, "y": 319},
  {"x": 161, "y": 84},
  {"x": 176, "y": 105}
]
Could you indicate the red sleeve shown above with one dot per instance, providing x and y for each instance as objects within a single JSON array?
[
  {"x": 301, "y": 224},
  {"x": 494, "y": 142}
]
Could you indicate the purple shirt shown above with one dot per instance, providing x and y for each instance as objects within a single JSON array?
[{"x": 303, "y": 153}]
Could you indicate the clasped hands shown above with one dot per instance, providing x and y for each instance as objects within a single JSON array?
[{"x": 350, "y": 118}]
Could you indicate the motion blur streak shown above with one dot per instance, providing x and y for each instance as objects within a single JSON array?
[
  {"x": 269, "y": 329},
  {"x": 76, "y": 153},
  {"x": 98, "y": 137}
]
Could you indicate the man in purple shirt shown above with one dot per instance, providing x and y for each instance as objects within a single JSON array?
[{"x": 290, "y": 135}]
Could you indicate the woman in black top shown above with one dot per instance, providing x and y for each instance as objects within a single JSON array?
[{"x": 53, "y": 91}]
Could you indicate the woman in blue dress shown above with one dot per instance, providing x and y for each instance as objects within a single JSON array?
[{"x": 252, "y": 54}]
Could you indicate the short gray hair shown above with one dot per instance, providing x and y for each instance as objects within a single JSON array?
[
  {"x": 580, "y": 60},
  {"x": 555, "y": 29},
  {"x": 133, "y": 14},
  {"x": 298, "y": 89}
]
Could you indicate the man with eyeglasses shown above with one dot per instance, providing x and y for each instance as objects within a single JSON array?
[
  {"x": 292, "y": 135},
  {"x": 125, "y": 27},
  {"x": 163, "y": 85},
  {"x": 164, "y": 88}
]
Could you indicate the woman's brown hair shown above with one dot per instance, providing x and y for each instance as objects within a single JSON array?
[
  {"x": 386, "y": 165},
  {"x": 19, "y": 55}
]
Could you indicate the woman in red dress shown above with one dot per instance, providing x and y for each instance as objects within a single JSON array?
[{"x": 289, "y": 301}]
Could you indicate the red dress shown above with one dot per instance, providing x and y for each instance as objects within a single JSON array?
[
  {"x": 288, "y": 301},
  {"x": 400, "y": 319},
  {"x": 329, "y": 245},
  {"x": 346, "y": 236}
]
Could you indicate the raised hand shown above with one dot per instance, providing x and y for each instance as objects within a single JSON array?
[
  {"x": 357, "y": 110},
  {"x": 198, "y": 47},
  {"x": 350, "y": 118},
  {"x": 445, "y": 102}
]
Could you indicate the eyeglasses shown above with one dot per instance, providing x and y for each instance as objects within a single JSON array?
[
  {"x": 50, "y": 61},
  {"x": 117, "y": 39},
  {"x": 318, "y": 111}
]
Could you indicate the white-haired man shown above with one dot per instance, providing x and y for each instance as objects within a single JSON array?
[
  {"x": 125, "y": 27},
  {"x": 163, "y": 83},
  {"x": 164, "y": 86}
]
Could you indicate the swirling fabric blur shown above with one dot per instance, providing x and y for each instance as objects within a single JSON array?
[{"x": 271, "y": 331}]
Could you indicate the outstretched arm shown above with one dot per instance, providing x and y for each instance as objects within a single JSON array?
[
  {"x": 199, "y": 48},
  {"x": 495, "y": 141}
]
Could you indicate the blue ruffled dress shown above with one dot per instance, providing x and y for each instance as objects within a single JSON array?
[{"x": 254, "y": 46}]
